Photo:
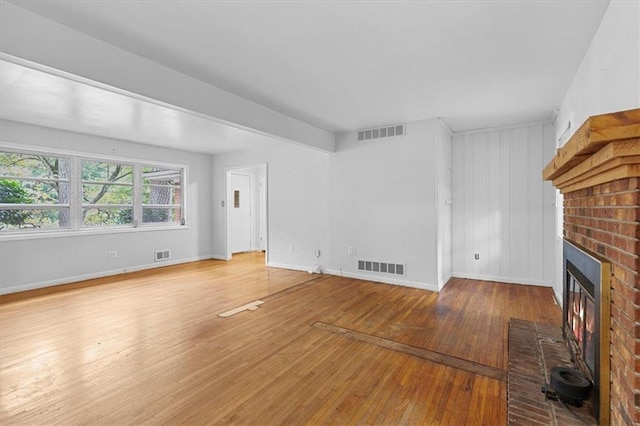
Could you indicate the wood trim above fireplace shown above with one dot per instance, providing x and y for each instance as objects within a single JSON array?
[{"x": 605, "y": 148}]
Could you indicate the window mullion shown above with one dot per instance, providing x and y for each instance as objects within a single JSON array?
[
  {"x": 75, "y": 201},
  {"x": 183, "y": 196},
  {"x": 137, "y": 195}
]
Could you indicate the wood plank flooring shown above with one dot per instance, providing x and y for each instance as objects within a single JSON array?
[
  {"x": 458, "y": 363},
  {"x": 149, "y": 348}
]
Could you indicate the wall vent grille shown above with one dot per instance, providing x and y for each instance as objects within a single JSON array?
[
  {"x": 162, "y": 255},
  {"x": 381, "y": 267},
  {"x": 381, "y": 132}
]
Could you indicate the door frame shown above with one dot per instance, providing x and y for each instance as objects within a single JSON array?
[
  {"x": 254, "y": 207},
  {"x": 248, "y": 177}
]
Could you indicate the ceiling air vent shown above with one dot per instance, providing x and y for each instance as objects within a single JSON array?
[{"x": 381, "y": 132}]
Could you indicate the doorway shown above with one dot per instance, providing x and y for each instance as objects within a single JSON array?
[{"x": 246, "y": 209}]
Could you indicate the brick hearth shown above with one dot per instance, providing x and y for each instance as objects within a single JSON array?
[{"x": 534, "y": 349}]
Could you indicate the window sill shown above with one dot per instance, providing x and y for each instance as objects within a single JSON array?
[{"x": 10, "y": 236}]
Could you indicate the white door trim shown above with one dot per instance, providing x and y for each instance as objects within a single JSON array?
[{"x": 235, "y": 169}]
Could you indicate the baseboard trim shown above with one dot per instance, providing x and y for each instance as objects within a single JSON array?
[
  {"x": 364, "y": 277},
  {"x": 287, "y": 266},
  {"x": 557, "y": 297},
  {"x": 103, "y": 274},
  {"x": 444, "y": 281},
  {"x": 383, "y": 280},
  {"x": 506, "y": 280},
  {"x": 219, "y": 257}
]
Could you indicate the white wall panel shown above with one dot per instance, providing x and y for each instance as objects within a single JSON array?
[
  {"x": 444, "y": 188},
  {"x": 502, "y": 210}
]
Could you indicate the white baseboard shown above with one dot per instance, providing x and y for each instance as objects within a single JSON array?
[
  {"x": 286, "y": 266},
  {"x": 383, "y": 279},
  {"x": 364, "y": 277},
  {"x": 444, "y": 281},
  {"x": 76, "y": 278},
  {"x": 507, "y": 280},
  {"x": 219, "y": 257}
]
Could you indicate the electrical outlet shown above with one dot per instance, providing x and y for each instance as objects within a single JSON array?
[
  {"x": 113, "y": 254},
  {"x": 476, "y": 256},
  {"x": 292, "y": 248},
  {"x": 351, "y": 251},
  {"x": 316, "y": 252}
]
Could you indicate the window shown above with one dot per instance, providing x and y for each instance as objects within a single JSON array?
[
  {"x": 42, "y": 191},
  {"x": 107, "y": 193},
  {"x": 161, "y": 195},
  {"x": 34, "y": 191}
]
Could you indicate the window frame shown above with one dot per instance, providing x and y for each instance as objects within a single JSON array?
[
  {"x": 41, "y": 206},
  {"x": 140, "y": 218},
  {"x": 82, "y": 205},
  {"x": 76, "y": 202}
]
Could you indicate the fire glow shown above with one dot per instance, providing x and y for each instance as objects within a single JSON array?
[{"x": 581, "y": 318}]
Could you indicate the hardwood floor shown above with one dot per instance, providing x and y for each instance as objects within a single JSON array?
[{"x": 148, "y": 347}]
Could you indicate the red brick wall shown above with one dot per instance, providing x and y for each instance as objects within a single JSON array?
[{"x": 606, "y": 220}]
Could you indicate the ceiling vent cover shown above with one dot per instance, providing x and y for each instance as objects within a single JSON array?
[{"x": 381, "y": 132}]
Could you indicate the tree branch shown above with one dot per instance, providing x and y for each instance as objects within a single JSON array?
[{"x": 105, "y": 187}]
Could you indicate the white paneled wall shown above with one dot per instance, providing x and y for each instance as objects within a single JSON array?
[
  {"x": 444, "y": 202},
  {"x": 502, "y": 210}
]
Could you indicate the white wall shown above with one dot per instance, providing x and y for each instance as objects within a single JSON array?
[
  {"x": 297, "y": 202},
  {"x": 608, "y": 79},
  {"x": 383, "y": 203},
  {"x": 502, "y": 210},
  {"x": 39, "y": 262},
  {"x": 444, "y": 187}
]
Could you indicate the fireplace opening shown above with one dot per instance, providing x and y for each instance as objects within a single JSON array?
[
  {"x": 581, "y": 314},
  {"x": 586, "y": 321}
]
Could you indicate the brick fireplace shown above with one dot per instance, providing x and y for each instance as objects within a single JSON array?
[{"x": 598, "y": 172}]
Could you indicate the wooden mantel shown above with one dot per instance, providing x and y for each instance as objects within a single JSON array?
[{"x": 605, "y": 148}]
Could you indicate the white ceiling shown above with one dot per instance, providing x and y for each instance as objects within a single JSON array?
[
  {"x": 46, "y": 99},
  {"x": 353, "y": 64}
]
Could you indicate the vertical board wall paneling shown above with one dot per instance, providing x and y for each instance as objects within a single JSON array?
[
  {"x": 519, "y": 208},
  {"x": 505, "y": 200},
  {"x": 502, "y": 210},
  {"x": 549, "y": 200},
  {"x": 494, "y": 246},
  {"x": 479, "y": 204},
  {"x": 535, "y": 260},
  {"x": 444, "y": 190},
  {"x": 457, "y": 220}
]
